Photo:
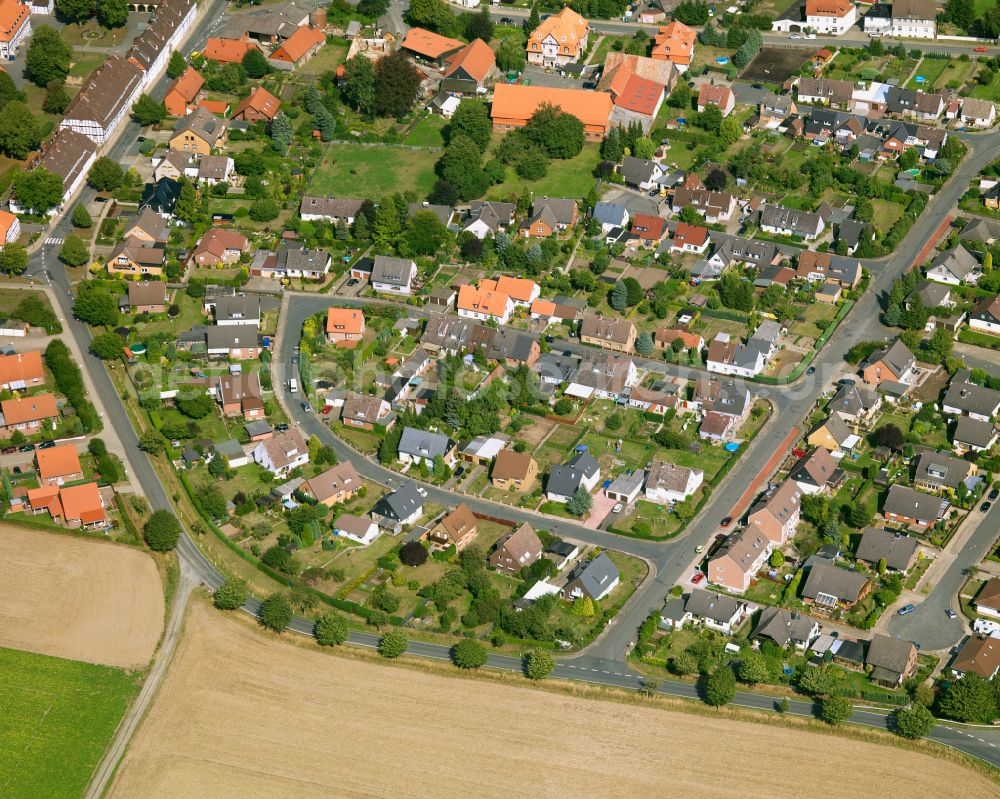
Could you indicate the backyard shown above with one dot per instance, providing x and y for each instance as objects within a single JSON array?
[{"x": 356, "y": 170}]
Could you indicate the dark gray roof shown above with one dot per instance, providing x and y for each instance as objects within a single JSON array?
[
  {"x": 791, "y": 218},
  {"x": 709, "y": 605},
  {"x": 401, "y": 503},
  {"x": 554, "y": 365},
  {"x": 610, "y": 213},
  {"x": 958, "y": 261},
  {"x": 257, "y": 428},
  {"x": 566, "y": 478},
  {"x": 510, "y": 344},
  {"x": 891, "y": 654},
  {"x": 422, "y": 443},
  {"x": 595, "y": 575},
  {"x": 231, "y": 337},
  {"x": 897, "y": 550},
  {"x": 974, "y": 431},
  {"x": 931, "y": 294},
  {"x": 783, "y": 626},
  {"x": 674, "y": 610},
  {"x": 905, "y": 501},
  {"x": 442, "y": 212},
  {"x": 561, "y": 210},
  {"x": 393, "y": 271},
  {"x": 230, "y": 308},
  {"x": 853, "y": 398},
  {"x": 827, "y": 578},
  {"x": 897, "y": 356},
  {"x": 940, "y": 469},
  {"x": 636, "y": 170},
  {"x": 970, "y": 398}
]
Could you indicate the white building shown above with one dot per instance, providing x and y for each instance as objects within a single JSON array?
[
  {"x": 831, "y": 17},
  {"x": 355, "y": 528},
  {"x": 668, "y": 483},
  {"x": 282, "y": 453},
  {"x": 69, "y": 155},
  {"x": 16, "y": 21},
  {"x": 105, "y": 100},
  {"x": 393, "y": 275}
]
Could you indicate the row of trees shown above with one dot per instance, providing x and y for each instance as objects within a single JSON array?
[
  {"x": 387, "y": 88},
  {"x": 110, "y": 13}
]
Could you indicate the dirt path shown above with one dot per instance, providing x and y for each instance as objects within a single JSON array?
[
  {"x": 77, "y": 598},
  {"x": 236, "y": 717}
]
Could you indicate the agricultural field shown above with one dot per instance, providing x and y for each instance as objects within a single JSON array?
[
  {"x": 350, "y": 170},
  {"x": 58, "y": 718},
  {"x": 78, "y": 598},
  {"x": 358, "y": 727}
]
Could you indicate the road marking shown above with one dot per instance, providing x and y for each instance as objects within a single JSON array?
[{"x": 53, "y": 240}]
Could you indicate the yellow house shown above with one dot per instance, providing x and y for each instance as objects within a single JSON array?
[
  {"x": 199, "y": 133},
  {"x": 832, "y": 434},
  {"x": 135, "y": 257},
  {"x": 517, "y": 470}
]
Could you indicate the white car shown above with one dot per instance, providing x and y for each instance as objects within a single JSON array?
[
  {"x": 618, "y": 508},
  {"x": 795, "y": 36},
  {"x": 810, "y": 35}
]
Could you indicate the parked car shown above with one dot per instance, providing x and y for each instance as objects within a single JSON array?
[
  {"x": 459, "y": 471},
  {"x": 306, "y": 407},
  {"x": 994, "y": 494},
  {"x": 26, "y": 448},
  {"x": 47, "y": 445},
  {"x": 950, "y": 613},
  {"x": 281, "y": 428},
  {"x": 699, "y": 549},
  {"x": 906, "y": 609},
  {"x": 981, "y": 49},
  {"x": 811, "y": 371},
  {"x": 618, "y": 508},
  {"x": 726, "y": 521},
  {"x": 353, "y": 281},
  {"x": 8, "y": 451},
  {"x": 985, "y": 507},
  {"x": 795, "y": 36},
  {"x": 697, "y": 578}
]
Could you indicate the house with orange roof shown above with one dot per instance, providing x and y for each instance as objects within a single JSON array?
[
  {"x": 21, "y": 370},
  {"x": 217, "y": 107},
  {"x": 514, "y": 105},
  {"x": 521, "y": 290},
  {"x": 228, "y": 51},
  {"x": 675, "y": 43},
  {"x": 559, "y": 40},
  {"x": 15, "y": 27},
  {"x": 689, "y": 238},
  {"x": 260, "y": 106},
  {"x": 297, "y": 48},
  {"x": 345, "y": 326},
  {"x": 485, "y": 302},
  {"x": 474, "y": 63},
  {"x": 58, "y": 465},
  {"x": 649, "y": 228},
  {"x": 721, "y": 97},
  {"x": 664, "y": 338},
  {"x": 26, "y": 414},
  {"x": 83, "y": 506},
  {"x": 825, "y": 17},
  {"x": 429, "y": 45},
  {"x": 181, "y": 96},
  {"x": 642, "y": 96},
  {"x": 10, "y": 228}
]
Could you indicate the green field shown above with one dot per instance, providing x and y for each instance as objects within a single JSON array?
[
  {"x": 352, "y": 170},
  {"x": 570, "y": 178},
  {"x": 931, "y": 69},
  {"x": 427, "y": 132},
  {"x": 887, "y": 213},
  {"x": 990, "y": 91},
  {"x": 58, "y": 718}
]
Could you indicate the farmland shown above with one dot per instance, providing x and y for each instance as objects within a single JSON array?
[
  {"x": 58, "y": 717},
  {"x": 80, "y": 599},
  {"x": 359, "y": 728}
]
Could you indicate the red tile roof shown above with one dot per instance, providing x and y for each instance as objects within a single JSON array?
[
  {"x": 429, "y": 44},
  {"x": 640, "y": 95}
]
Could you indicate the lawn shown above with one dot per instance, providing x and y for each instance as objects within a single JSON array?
[
  {"x": 58, "y": 717},
  {"x": 329, "y": 57},
  {"x": 570, "y": 178},
  {"x": 990, "y": 91},
  {"x": 930, "y": 69},
  {"x": 354, "y": 170},
  {"x": 887, "y": 213},
  {"x": 427, "y": 132},
  {"x": 957, "y": 71}
]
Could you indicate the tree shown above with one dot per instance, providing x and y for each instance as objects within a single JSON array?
[
  {"x": 580, "y": 502},
  {"x": 331, "y": 629},
  {"x": 392, "y": 644},
  {"x": 691, "y": 12},
  {"x": 9, "y": 90},
  {"x": 231, "y": 594},
  {"x": 777, "y": 560},
  {"x": 720, "y": 687},
  {"x": 397, "y": 83},
  {"x": 281, "y": 132},
  {"x": 538, "y": 664},
  {"x": 618, "y": 298},
  {"x": 13, "y": 259},
  {"x": 112, "y": 13},
  {"x": 359, "y": 84},
  {"x": 276, "y": 612},
  {"x": 425, "y": 234},
  {"x": 217, "y": 467},
  {"x": 412, "y": 553},
  {"x": 970, "y": 699},
  {"x": 710, "y": 119},
  {"x": 162, "y": 531},
  {"x": 816, "y": 682},
  {"x": 960, "y": 12},
  {"x": 279, "y": 558},
  {"x": 264, "y": 210},
  {"x": 433, "y": 14},
  {"x": 39, "y": 189},
  {"x": 469, "y": 654},
  {"x": 106, "y": 174},
  {"x": 176, "y": 66},
  {"x": 188, "y": 208},
  {"x": 888, "y": 435},
  {"x": 479, "y": 26},
  {"x": 56, "y": 98},
  {"x": 373, "y": 9},
  {"x": 255, "y": 64},
  {"x": 107, "y": 346},
  {"x": 73, "y": 251},
  {"x": 211, "y": 499},
  {"x": 835, "y": 710},
  {"x": 644, "y": 344},
  {"x": 644, "y": 148},
  {"x": 48, "y": 56},
  {"x": 730, "y": 131},
  {"x": 912, "y": 721},
  {"x": 471, "y": 119},
  {"x": 716, "y": 179},
  {"x": 152, "y": 441},
  {"x": 683, "y": 664},
  {"x": 510, "y": 55},
  {"x": 558, "y": 133},
  {"x": 148, "y": 111},
  {"x": 74, "y": 10},
  {"x": 680, "y": 97},
  {"x": 753, "y": 669},
  {"x": 81, "y": 217},
  {"x": 461, "y": 167}
]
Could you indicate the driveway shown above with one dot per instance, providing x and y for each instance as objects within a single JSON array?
[{"x": 600, "y": 507}]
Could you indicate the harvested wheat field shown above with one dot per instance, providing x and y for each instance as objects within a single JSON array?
[
  {"x": 241, "y": 715},
  {"x": 78, "y": 599}
]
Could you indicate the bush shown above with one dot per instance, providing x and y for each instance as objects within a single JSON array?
[
  {"x": 276, "y": 612},
  {"x": 835, "y": 709},
  {"x": 538, "y": 664},
  {"x": 331, "y": 629},
  {"x": 392, "y": 644},
  {"x": 469, "y": 654},
  {"x": 413, "y": 553},
  {"x": 231, "y": 594},
  {"x": 912, "y": 721},
  {"x": 162, "y": 531},
  {"x": 720, "y": 687}
]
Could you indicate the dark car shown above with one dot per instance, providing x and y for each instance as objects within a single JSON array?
[
  {"x": 506, "y": 21},
  {"x": 459, "y": 471},
  {"x": 26, "y": 448},
  {"x": 727, "y": 521},
  {"x": 985, "y": 507},
  {"x": 811, "y": 371},
  {"x": 281, "y": 428},
  {"x": 549, "y": 339},
  {"x": 306, "y": 407},
  {"x": 8, "y": 451},
  {"x": 353, "y": 281},
  {"x": 47, "y": 445},
  {"x": 994, "y": 494}
]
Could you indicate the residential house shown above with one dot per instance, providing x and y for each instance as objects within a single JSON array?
[
  {"x": 355, "y": 528},
  {"x": 161, "y": 197},
  {"x": 175, "y": 165},
  {"x": 892, "y": 660},
  {"x": 606, "y": 375},
  {"x": 833, "y": 434},
  {"x": 517, "y": 550},
  {"x": 237, "y": 311},
  {"x": 259, "y": 106},
  {"x": 473, "y": 65},
  {"x": 199, "y": 133},
  {"x": 816, "y": 91},
  {"x": 219, "y": 246},
  {"x": 899, "y": 551},
  {"x": 514, "y": 471},
  {"x": 978, "y": 113},
  {"x": 650, "y": 229},
  {"x": 402, "y": 507},
  {"x": 829, "y": 587},
  {"x": 914, "y": 104},
  {"x": 514, "y": 104},
  {"x": 232, "y": 342},
  {"x": 937, "y": 471},
  {"x": 147, "y": 296},
  {"x": 664, "y": 339},
  {"x": 549, "y": 216},
  {"x": 215, "y": 169},
  {"x": 393, "y": 275},
  {"x": 360, "y": 410},
  {"x": 774, "y": 110},
  {"x": 580, "y": 471},
  {"x": 227, "y": 51},
  {"x": 955, "y": 267},
  {"x": 608, "y": 333},
  {"x": 486, "y": 217},
  {"x": 816, "y": 472},
  {"x": 784, "y": 627},
  {"x": 554, "y": 312},
  {"x": 675, "y": 43},
  {"x": 611, "y": 216},
  {"x": 723, "y": 397},
  {"x": 21, "y": 370},
  {"x": 183, "y": 93},
  {"x": 10, "y": 228},
  {"x": 422, "y": 446},
  {"x": 282, "y": 453},
  {"x": 715, "y": 206},
  {"x": 293, "y": 261},
  {"x": 720, "y": 97},
  {"x": 825, "y": 17},
  {"x": 905, "y": 19},
  {"x": 232, "y": 453},
  {"x": 560, "y": 39},
  {"x": 985, "y": 316},
  {"x": 776, "y": 516},
  {"x": 780, "y": 221},
  {"x": 689, "y": 238},
  {"x": 69, "y": 155},
  {"x": 297, "y": 49},
  {"x": 329, "y": 209},
  {"x": 58, "y": 465},
  {"x": 715, "y": 611},
  {"x": 891, "y": 363},
  {"x": 345, "y": 327},
  {"x": 240, "y": 395},
  {"x": 735, "y": 564},
  {"x": 829, "y": 268},
  {"x": 980, "y": 654},
  {"x": 74, "y": 506},
  {"x": 430, "y": 46},
  {"x": 484, "y": 303},
  {"x": 987, "y": 601},
  {"x": 482, "y": 450},
  {"x": 513, "y": 348},
  {"x": 337, "y": 484},
  {"x": 592, "y": 578},
  {"x": 104, "y": 100},
  {"x": 669, "y": 483},
  {"x": 914, "y": 508},
  {"x": 964, "y": 397},
  {"x": 640, "y": 173},
  {"x": 654, "y": 401},
  {"x": 728, "y": 356},
  {"x": 974, "y": 435},
  {"x": 855, "y": 402},
  {"x": 457, "y": 529},
  {"x": 135, "y": 257}
]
